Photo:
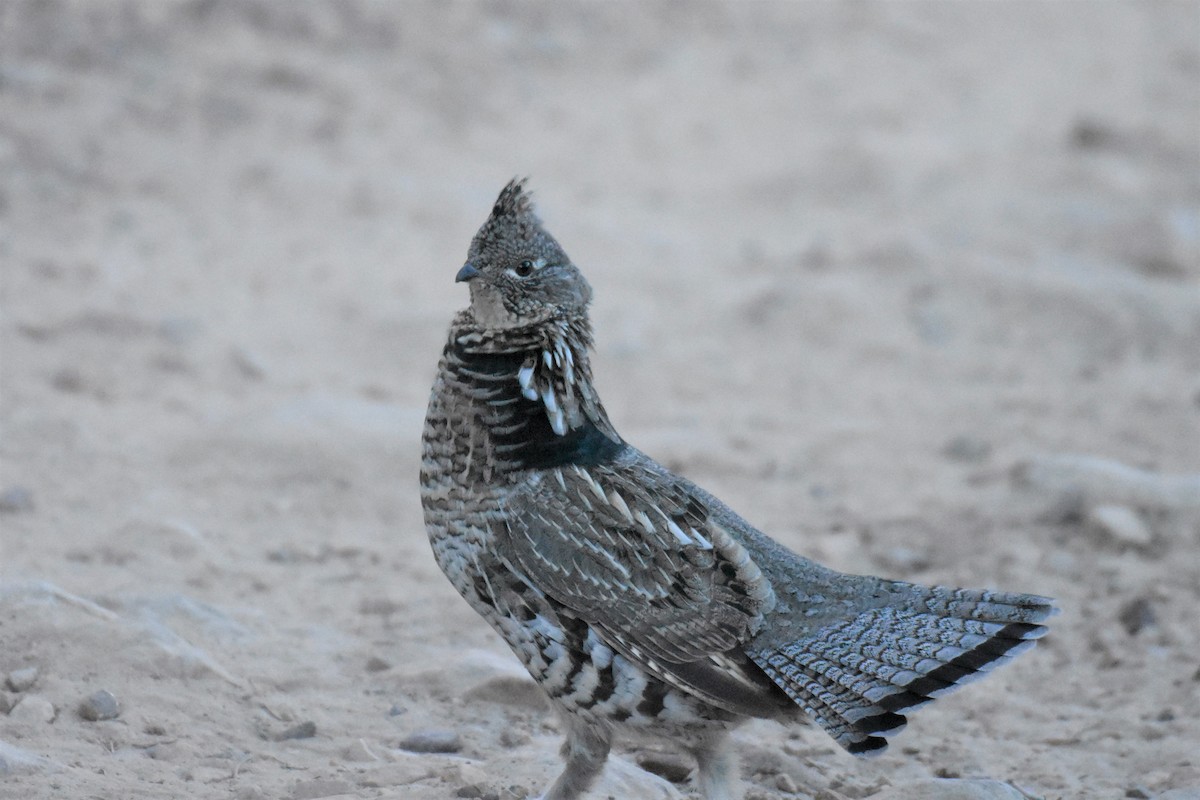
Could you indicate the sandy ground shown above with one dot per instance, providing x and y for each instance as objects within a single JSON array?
[{"x": 864, "y": 271}]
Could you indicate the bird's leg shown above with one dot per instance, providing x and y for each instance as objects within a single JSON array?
[
  {"x": 717, "y": 770},
  {"x": 585, "y": 751}
]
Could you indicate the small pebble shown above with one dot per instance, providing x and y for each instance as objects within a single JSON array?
[
  {"x": 19, "y": 680},
  {"x": 305, "y": 730},
  {"x": 1137, "y": 615},
  {"x": 360, "y": 752},
  {"x": 508, "y": 690},
  {"x": 33, "y": 708},
  {"x": 377, "y": 664},
  {"x": 1093, "y": 134},
  {"x": 462, "y": 774},
  {"x": 784, "y": 783},
  {"x": 1121, "y": 524},
  {"x": 432, "y": 741},
  {"x": 99, "y": 706},
  {"x": 168, "y": 751},
  {"x": 669, "y": 766},
  {"x": 16, "y": 499},
  {"x": 510, "y": 737}
]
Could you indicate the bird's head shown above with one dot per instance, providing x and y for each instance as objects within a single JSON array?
[{"x": 517, "y": 273}]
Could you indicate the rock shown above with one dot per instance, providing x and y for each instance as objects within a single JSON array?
[
  {"x": 1092, "y": 134},
  {"x": 377, "y": 664},
  {"x": 305, "y": 730},
  {"x": 16, "y": 499},
  {"x": 784, "y": 783},
  {"x": 14, "y": 759},
  {"x": 359, "y": 751},
  {"x": 463, "y": 773},
  {"x": 320, "y": 787},
  {"x": 33, "y": 709},
  {"x": 170, "y": 751},
  {"x": 1137, "y": 615},
  {"x": 1121, "y": 524},
  {"x": 7, "y": 701},
  {"x": 99, "y": 706},
  {"x": 432, "y": 741},
  {"x": 512, "y": 690},
  {"x": 19, "y": 680},
  {"x": 510, "y": 737},
  {"x": 951, "y": 789},
  {"x": 671, "y": 766}
]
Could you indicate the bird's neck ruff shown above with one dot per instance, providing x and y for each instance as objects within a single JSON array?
[{"x": 534, "y": 384}]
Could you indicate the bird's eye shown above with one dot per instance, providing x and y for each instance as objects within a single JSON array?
[{"x": 525, "y": 268}]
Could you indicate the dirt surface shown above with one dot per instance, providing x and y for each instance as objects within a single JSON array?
[{"x": 883, "y": 277}]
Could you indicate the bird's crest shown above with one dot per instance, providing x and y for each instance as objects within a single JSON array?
[{"x": 513, "y": 213}]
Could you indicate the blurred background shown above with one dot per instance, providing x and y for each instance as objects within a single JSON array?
[{"x": 857, "y": 267}]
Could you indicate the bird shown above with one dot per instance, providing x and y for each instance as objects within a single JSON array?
[{"x": 641, "y": 604}]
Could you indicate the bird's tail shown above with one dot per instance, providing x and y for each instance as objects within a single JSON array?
[{"x": 895, "y": 647}]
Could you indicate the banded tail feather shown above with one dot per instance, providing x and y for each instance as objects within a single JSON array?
[{"x": 856, "y": 676}]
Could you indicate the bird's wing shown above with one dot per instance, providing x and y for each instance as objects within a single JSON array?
[{"x": 635, "y": 552}]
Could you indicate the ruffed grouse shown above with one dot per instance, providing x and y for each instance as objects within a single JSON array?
[{"x": 639, "y": 602}]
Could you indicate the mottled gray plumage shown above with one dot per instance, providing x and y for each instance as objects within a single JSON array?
[{"x": 638, "y": 601}]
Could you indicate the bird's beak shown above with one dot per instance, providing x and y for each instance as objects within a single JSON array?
[{"x": 467, "y": 272}]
